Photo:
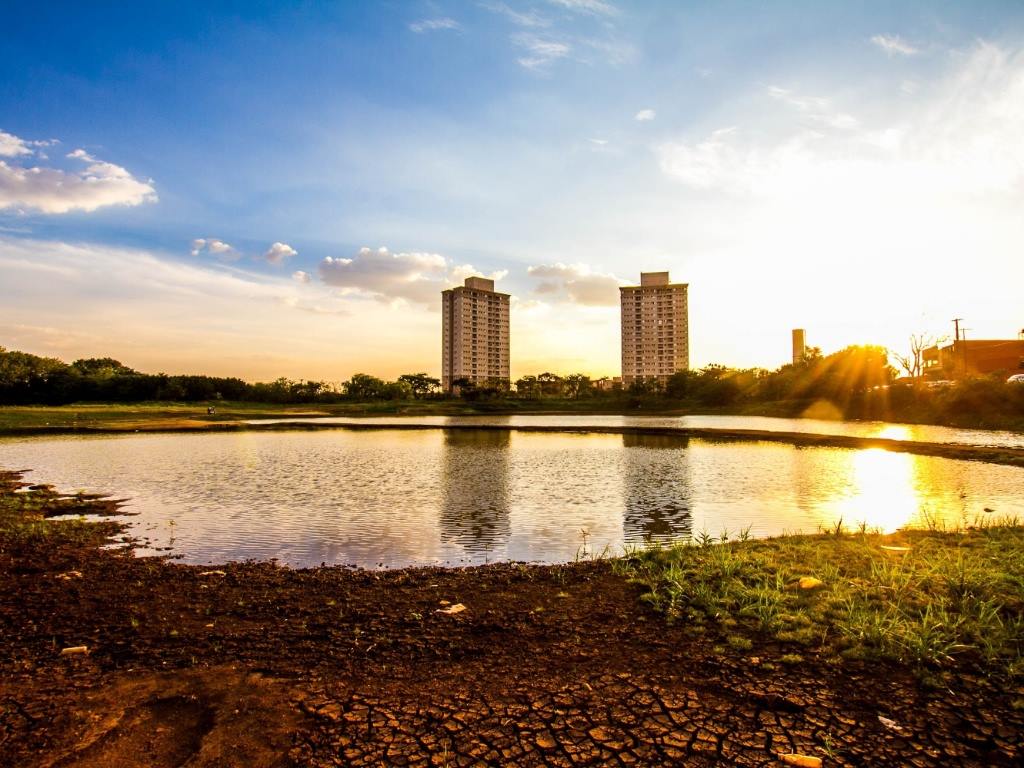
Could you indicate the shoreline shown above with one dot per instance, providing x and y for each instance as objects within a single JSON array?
[
  {"x": 251, "y": 664},
  {"x": 991, "y": 454}
]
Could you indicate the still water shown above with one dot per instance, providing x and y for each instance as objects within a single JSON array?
[
  {"x": 891, "y": 431},
  {"x": 391, "y": 498}
]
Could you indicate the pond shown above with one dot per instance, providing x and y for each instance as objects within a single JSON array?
[
  {"x": 390, "y": 498},
  {"x": 909, "y": 432}
]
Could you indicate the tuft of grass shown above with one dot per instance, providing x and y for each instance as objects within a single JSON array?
[{"x": 951, "y": 597}]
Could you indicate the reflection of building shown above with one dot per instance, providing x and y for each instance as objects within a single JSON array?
[
  {"x": 657, "y": 489},
  {"x": 474, "y": 334},
  {"x": 475, "y": 510},
  {"x": 799, "y": 345},
  {"x": 655, "y": 328},
  {"x": 967, "y": 358}
]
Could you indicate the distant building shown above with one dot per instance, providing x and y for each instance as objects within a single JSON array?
[
  {"x": 973, "y": 358},
  {"x": 799, "y": 345},
  {"x": 655, "y": 328},
  {"x": 474, "y": 334},
  {"x": 606, "y": 384}
]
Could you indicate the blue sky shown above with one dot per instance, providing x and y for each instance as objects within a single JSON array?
[{"x": 826, "y": 165}]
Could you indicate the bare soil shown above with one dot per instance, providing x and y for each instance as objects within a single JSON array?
[{"x": 250, "y": 664}]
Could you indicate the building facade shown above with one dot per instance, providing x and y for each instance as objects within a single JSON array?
[
  {"x": 474, "y": 335},
  {"x": 977, "y": 357},
  {"x": 655, "y": 328}
]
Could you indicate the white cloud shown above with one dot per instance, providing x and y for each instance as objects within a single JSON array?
[
  {"x": 894, "y": 45},
  {"x": 965, "y": 138},
  {"x": 431, "y": 25},
  {"x": 184, "y": 317},
  {"x": 530, "y": 19},
  {"x": 302, "y": 277},
  {"x": 53, "y": 190},
  {"x": 577, "y": 283},
  {"x": 594, "y": 7},
  {"x": 540, "y": 51},
  {"x": 278, "y": 252},
  {"x": 12, "y": 146},
  {"x": 815, "y": 108},
  {"x": 644, "y": 115},
  {"x": 214, "y": 247},
  {"x": 415, "y": 277}
]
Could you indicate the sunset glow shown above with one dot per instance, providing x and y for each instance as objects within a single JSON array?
[{"x": 856, "y": 174}]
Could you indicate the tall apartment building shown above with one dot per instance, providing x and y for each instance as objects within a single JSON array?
[
  {"x": 655, "y": 328},
  {"x": 474, "y": 334}
]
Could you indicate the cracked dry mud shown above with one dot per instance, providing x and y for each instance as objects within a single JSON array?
[{"x": 557, "y": 666}]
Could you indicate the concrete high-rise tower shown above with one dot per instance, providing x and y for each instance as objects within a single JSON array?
[
  {"x": 474, "y": 334},
  {"x": 655, "y": 328}
]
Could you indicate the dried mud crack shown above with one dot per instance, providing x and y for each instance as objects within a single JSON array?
[{"x": 255, "y": 665}]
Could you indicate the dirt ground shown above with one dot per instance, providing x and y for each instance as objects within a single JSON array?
[{"x": 251, "y": 664}]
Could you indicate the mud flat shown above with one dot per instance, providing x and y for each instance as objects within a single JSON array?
[{"x": 251, "y": 664}]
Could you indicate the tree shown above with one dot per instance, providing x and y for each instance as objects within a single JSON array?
[
  {"x": 528, "y": 387},
  {"x": 576, "y": 385},
  {"x": 420, "y": 384},
  {"x": 550, "y": 384},
  {"x": 913, "y": 362},
  {"x": 101, "y": 367},
  {"x": 362, "y": 386}
]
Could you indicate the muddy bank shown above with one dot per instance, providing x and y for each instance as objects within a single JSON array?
[
  {"x": 249, "y": 664},
  {"x": 993, "y": 455}
]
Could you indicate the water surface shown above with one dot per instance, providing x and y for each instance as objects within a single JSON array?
[
  {"x": 892, "y": 431},
  {"x": 391, "y": 498}
]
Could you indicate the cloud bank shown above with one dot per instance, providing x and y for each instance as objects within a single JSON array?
[
  {"x": 963, "y": 138},
  {"x": 576, "y": 283},
  {"x": 27, "y": 187},
  {"x": 415, "y": 277}
]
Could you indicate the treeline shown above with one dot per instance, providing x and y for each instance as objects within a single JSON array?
[
  {"x": 27, "y": 379},
  {"x": 857, "y": 382}
]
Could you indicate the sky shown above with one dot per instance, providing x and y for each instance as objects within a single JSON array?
[{"x": 264, "y": 190}]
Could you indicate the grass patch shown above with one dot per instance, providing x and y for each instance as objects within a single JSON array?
[
  {"x": 25, "y": 509},
  {"x": 934, "y": 599}
]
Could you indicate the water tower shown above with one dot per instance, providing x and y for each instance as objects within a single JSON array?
[{"x": 799, "y": 344}]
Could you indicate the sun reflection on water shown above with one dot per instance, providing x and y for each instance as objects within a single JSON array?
[{"x": 882, "y": 492}]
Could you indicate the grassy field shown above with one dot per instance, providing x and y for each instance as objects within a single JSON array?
[
  {"x": 927, "y": 598},
  {"x": 127, "y": 416}
]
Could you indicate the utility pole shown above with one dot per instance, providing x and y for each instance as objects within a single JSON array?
[{"x": 956, "y": 327}]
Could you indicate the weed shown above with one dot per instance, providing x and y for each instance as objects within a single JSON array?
[{"x": 932, "y": 600}]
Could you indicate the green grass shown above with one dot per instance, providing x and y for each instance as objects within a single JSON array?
[
  {"x": 154, "y": 414},
  {"x": 954, "y": 597},
  {"x": 24, "y": 513}
]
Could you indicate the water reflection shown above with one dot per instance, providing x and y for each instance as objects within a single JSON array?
[
  {"x": 657, "y": 489},
  {"x": 475, "y": 507},
  {"x": 397, "y": 498}
]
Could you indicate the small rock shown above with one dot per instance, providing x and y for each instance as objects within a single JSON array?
[
  {"x": 892, "y": 725},
  {"x": 810, "y": 582},
  {"x": 804, "y": 761},
  {"x": 70, "y": 575},
  {"x": 457, "y": 608}
]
